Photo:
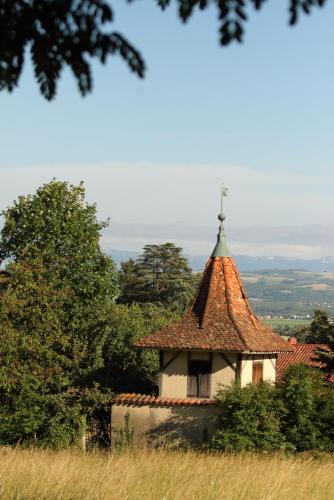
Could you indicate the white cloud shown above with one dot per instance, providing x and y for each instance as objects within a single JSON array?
[
  {"x": 280, "y": 249},
  {"x": 189, "y": 195}
]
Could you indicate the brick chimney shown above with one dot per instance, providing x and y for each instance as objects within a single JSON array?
[{"x": 293, "y": 341}]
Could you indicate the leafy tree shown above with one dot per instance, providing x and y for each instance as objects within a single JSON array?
[
  {"x": 326, "y": 417},
  {"x": 59, "y": 33},
  {"x": 129, "y": 276},
  {"x": 56, "y": 226},
  {"x": 63, "y": 33},
  {"x": 35, "y": 369},
  {"x": 295, "y": 415},
  {"x": 250, "y": 419},
  {"x": 161, "y": 275},
  {"x": 128, "y": 369},
  {"x": 55, "y": 305},
  {"x": 302, "y": 390},
  {"x": 320, "y": 331}
]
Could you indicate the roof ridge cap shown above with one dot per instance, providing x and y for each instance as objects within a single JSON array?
[
  {"x": 191, "y": 308},
  {"x": 203, "y": 321},
  {"x": 229, "y": 309}
]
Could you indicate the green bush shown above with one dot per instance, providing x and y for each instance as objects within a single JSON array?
[
  {"x": 295, "y": 415},
  {"x": 301, "y": 391},
  {"x": 326, "y": 417},
  {"x": 309, "y": 402},
  {"x": 250, "y": 419}
]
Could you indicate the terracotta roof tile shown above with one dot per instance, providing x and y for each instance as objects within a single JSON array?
[
  {"x": 220, "y": 319},
  {"x": 302, "y": 353},
  {"x": 143, "y": 399}
]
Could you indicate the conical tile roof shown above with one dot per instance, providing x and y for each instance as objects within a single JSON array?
[{"x": 221, "y": 318}]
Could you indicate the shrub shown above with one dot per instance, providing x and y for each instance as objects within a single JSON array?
[
  {"x": 301, "y": 392},
  {"x": 295, "y": 415},
  {"x": 250, "y": 419},
  {"x": 309, "y": 402}
]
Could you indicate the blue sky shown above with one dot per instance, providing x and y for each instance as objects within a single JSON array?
[{"x": 265, "y": 107}]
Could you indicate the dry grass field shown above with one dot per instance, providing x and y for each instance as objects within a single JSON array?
[{"x": 34, "y": 474}]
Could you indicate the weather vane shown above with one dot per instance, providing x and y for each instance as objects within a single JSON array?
[{"x": 224, "y": 192}]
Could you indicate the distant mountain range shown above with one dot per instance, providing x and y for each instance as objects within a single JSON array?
[
  {"x": 266, "y": 246},
  {"x": 248, "y": 263}
]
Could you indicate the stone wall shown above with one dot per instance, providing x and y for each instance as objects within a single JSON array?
[{"x": 153, "y": 425}]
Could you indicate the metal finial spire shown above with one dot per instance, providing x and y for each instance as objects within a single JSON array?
[{"x": 221, "y": 249}]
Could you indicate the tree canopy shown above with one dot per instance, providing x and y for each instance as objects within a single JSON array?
[
  {"x": 37, "y": 396},
  {"x": 66, "y": 346},
  {"x": 55, "y": 299},
  {"x": 249, "y": 419},
  {"x": 127, "y": 369},
  {"x": 69, "y": 33},
  {"x": 161, "y": 275},
  {"x": 319, "y": 331},
  {"x": 294, "y": 415}
]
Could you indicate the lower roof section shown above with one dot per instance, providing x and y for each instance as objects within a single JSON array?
[
  {"x": 132, "y": 399},
  {"x": 306, "y": 354}
]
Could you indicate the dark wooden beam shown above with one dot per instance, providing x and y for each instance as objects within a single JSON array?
[
  {"x": 227, "y": 361},
  {"x": 239, "y": 369},
  {"x": 166, "y": 365}
]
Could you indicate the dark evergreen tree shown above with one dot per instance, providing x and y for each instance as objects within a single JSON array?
[
  {"x": 161, "y": 275},
  {"x": 321, "y": 330}
]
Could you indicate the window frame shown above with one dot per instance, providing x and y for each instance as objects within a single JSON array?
[{"x": 197, "y": 393}]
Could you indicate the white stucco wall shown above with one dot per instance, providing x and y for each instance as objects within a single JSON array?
[
  {"x": 222, "y": 373},
  {"x": 269, "y": 367},
  {"x": 246, "y": 370},
  {"x": 173, "y": 381}
]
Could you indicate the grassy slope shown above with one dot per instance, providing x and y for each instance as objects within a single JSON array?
[
  {"x": 289, "y": 292},
  {"x": 33, "y": 474}
]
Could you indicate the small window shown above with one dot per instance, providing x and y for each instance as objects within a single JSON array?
[
  {"x": 257, "y": 372},
  {"x": 199, "y": 378}
]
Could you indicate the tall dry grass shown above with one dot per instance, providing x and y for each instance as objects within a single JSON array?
[{"x": 36, "y": 474}]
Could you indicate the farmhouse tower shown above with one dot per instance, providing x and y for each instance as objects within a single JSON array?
[{"x": 219, "y": 340}]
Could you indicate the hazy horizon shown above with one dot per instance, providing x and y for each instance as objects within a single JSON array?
[
  {"x": 293, "y": 242},
  {"x": 267, "y": 214}
]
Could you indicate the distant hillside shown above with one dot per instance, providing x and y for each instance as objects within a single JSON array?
[
  {"x": 277, "y": 286},
  {"x": 246, "y": 263},
  {"x": 289, "y": 293}
]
